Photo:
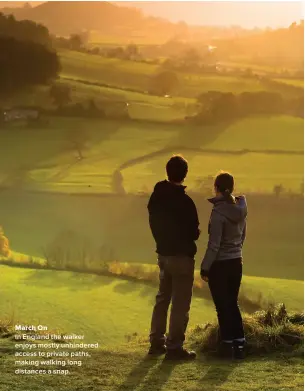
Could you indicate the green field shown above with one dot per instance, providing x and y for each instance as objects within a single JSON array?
[
  {"x": 281, "y": 133},
  {"x": 117, "y": 307},
  {"x": 50, "y": 163},
  {"x": 274, "y": 245},
  {"x": 51, "y": 193},
  {"x": 128, "y": 74},
  {"x": 292, "y": 82}
]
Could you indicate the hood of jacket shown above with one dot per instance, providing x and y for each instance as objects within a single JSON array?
[
  {"x": 235, "y": 212},
  {"x": 164, "y": 192}
]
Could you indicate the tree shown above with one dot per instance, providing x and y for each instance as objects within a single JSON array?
[
  {"x": 78, "y": 139},
  {"x": 25, "y": 64},
  {"x": 218, "y": 106},
  {"x": 4, "y": 244},
  {"x": 24, "y": 30},
  {"x": 76, "y": 42},
  {"x": 278, "y": 190},
  {"x": 60, "y": 94},
  {"x": 191, "y": 57},
  {"x": 132, "y": 51},
  {"x": 164, "y": 83},
  {"x": 261, "y": 102}
]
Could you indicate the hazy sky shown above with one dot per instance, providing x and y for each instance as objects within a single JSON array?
[{"x": 244, "y": 13}]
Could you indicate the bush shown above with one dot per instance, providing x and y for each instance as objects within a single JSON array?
[
  {"x": 87, "y": 110},
  {"x": 218, "y": 107},
  {"x": 263, "y": 102},
  {"x": 265, "y": 331},
  {"x": 164, "y": 83},
  {"x": 60, "y": 94},
  {"x": 4, "y": 245}
]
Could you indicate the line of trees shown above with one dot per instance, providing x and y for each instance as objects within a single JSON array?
[
  {"x": 79, "y": 42},
  {"x": 24, "y": 30},
  {"x": 218, "y": 106}
]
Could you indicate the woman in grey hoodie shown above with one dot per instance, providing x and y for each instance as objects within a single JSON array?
[{"x": 222, "y": 264}]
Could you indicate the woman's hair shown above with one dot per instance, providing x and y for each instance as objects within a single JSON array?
[{"x": 224, "y": 184}]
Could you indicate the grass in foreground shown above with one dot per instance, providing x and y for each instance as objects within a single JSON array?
[
  {"x": 271, "y": 330},
  {"x": 104, "y": 309},
  {"x": 117, "y": 307},
  {"x": 129, "y": 369}
]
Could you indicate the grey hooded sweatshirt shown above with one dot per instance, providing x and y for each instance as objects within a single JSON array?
[{"x": 227, "y": 231}]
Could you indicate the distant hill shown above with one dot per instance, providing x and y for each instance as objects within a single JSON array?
[{"x": 63, "y": 17}]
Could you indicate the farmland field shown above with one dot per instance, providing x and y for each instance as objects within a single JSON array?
[
  {"x": 33, "y": 221},
  {"x": 127, "y": 74},
  {"x": 49, "y": 163},
  {"x": 117, "y": 307},
  {"x": 80, "y": 155}
]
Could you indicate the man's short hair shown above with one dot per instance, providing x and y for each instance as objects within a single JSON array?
[{"x": 176, "y": 168}]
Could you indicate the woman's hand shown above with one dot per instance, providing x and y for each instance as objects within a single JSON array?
[{"x": 204, "y": 275}]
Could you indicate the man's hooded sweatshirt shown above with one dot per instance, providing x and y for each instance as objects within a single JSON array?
[{"x": 173, "y": 220}]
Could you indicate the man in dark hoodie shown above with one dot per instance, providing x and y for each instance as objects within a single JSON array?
[{"x": 174, "y": 224}]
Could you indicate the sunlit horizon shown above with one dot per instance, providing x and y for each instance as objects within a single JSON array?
[{"x": 246, "y": 14}]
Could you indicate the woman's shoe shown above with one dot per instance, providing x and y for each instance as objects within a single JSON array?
[{"x": 239, "y": 350}]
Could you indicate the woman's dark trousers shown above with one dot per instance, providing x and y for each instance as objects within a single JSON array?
[{"x": 224, "y": 282}]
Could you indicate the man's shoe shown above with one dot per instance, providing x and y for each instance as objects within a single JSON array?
[
  {"x": 238, "y": 350},
  {"x": 225, "y": 350},
  {"x": 157, "y": 350},
  {"x": 180, "y": 354}
]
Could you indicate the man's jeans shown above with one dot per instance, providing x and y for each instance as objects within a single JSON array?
[
  {"x": 176, "y": 286},
  {"x": 224, "y": 282}
]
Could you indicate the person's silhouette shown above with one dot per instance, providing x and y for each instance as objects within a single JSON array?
[{"x": 174, "y": 224}]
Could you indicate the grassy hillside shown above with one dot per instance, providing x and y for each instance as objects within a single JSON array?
[
  {"x": 281, "y": 133},
  {"x": 127, "y": 74},
  {"x": 274, "y": 246},
  {"x": 286, "y": 170},
  {"x": 60, "y": 299},
  {"x": 50, "y": 162},
  {"x": 129, "y": 369},
  {"x": 117, "y": 307},
  {"x": 140, "y": 106}
]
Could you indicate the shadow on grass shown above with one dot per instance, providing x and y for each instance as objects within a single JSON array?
[
  {"x": 138, "y": 373},
  {"x": 125, "y": 287},
  {"x": 152, "y": 374},
  {"x": 61, "y": 279},
  {"x": 159, "y": 376},
  {"x": 216, "y": 374}
]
